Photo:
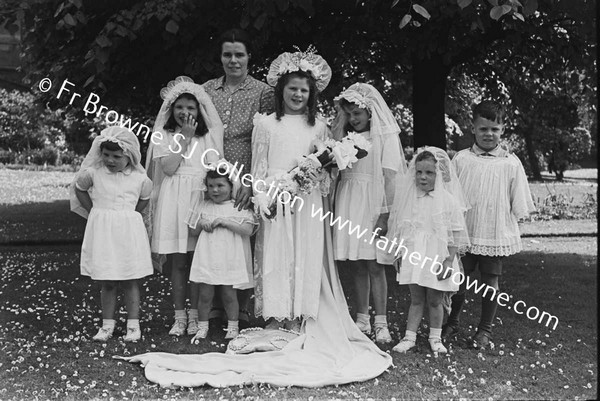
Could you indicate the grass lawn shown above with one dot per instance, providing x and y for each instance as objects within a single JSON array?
[{"x": 48, "y": 313}]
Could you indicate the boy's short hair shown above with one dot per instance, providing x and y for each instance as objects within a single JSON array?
[{"x": 489, "y": 110}]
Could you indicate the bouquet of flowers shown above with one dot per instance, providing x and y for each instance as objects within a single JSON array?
[
  {"x": 342, "y": 154},
  {"x": 309, "y": 174}
]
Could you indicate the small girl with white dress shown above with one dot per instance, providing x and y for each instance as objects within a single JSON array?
[
  {"x": 428, "y": 224},
  {"x": 187, "y": 134},
  {"x": 364, "y": 197},
  {"x": 222, "y": 256},
  {"x": 110, "y": 190}
]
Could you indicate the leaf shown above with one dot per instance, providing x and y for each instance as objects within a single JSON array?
[
  {"x": 172, "y": 27},
  {"x": 59, "y": 9},
  {"x": 519, "y": 16},
  {"x": 89, "y": 81},
  {"x": 405, "y": 20},
  {"x": 421, "y": 10},
  {"x": 76, "y": 3},
  {"x": 416, "y": 24},
  {"x": 260, "y": 21},
  {"x": 103, "y": 41},
  {"x": 393, "y": 5},
  {"x": 464, "y": 3},
  {"x": 497, "y": 12},
  {"x": 69, "y": 20},
  {"x": 530, "y": 7}
]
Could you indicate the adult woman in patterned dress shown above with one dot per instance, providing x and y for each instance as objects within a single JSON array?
[{"x": 238, "y": 97}]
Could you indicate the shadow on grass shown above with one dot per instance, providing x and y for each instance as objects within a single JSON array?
[
  {"x": 44, "y": 222},
  {"x": 49, "y": 312}
]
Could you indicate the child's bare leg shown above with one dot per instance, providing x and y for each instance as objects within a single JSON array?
[
  {"x": 378, "y": 284},
  {"x": 436, "y": 317},
  {"x": 108, "y": 299},
  {"x": 131, "y": 288},
  {"x": 415, "y": 314},
  {"x": 193, "y": 312},
  {"x": 417, "y": 306},
  {"x": 230, "y": 302},
  {"x": 436, "y": 310},
  {"x": 179, "y": 278},
  {"x": 379, "y": 293},
  {"x": 362, "y": 288},
  {"x": 362, "y": 285},
  {"x": 206, "y": 294},
  {"x": 232, "y": 308}
]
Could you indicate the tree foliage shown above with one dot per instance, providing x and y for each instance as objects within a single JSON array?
[{"x": 127, "y": 50}]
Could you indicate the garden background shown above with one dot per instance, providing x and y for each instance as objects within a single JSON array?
[{"x": 432, "y": 60}]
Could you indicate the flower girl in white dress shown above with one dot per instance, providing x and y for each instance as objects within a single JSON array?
[{"x": 110, "y": 190}]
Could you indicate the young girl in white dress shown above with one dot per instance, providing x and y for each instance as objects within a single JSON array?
[
  {"x": 222, "y": 256},
  {"x": 364, "y": 197},
  {"x": 110, "y": 190},
  {"x": 428, "y": 223},
  {"x": 186, "y": 127},
  {"x": 289, "y": 248}
]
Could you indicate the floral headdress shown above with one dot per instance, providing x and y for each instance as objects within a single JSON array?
[{"x": 307, "y": 61}]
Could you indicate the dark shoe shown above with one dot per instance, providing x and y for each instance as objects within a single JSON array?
[
  {"x": 216, "y": 313},
  {"x": 480, "y": 340},
  {"x": 449, "y": 332}
]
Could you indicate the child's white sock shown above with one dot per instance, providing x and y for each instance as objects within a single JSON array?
[
  {"x": 133, "y": 324},
  {"x": 380, "y": 320},
  {"x": 202, "y": 325},
  {"x": 410, "y": 336},
  {"x": 192, "y": 314},
  {"x": 180, "y": 314},
  {"x": 362, "y": 318},
  {"x": 108, "y": 324},
  {"x": 232, "y": 324},
  {"x": 435, "y": 333}
]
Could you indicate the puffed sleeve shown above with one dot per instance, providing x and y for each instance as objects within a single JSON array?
[
  {"x": 267, "y": 100},
  {"x": 161, "y": 143},
  {"x": 260, "y": 152},
  {"x": 521, "y": 203},
  {"x": 146, "y": 189},
  {"x": 390, "y": 152},
  {"x": 85, "y": 180}
]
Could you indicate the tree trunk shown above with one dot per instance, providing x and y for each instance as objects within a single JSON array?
[
  {"x": 429, "y": 97},
  {"x": 533, "y": 161}
]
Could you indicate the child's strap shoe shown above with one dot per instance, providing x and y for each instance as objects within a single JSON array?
[
  {"x": 365, "y": 328},
  {"x": 103, "y": 334},
  {"x": 232, "y": 333},
  {"x": 179, "y": 328},
  {"x": 192, "y": 327},
  {"x": 201, "y": 334},
  {"x": 134, "y": 334},
  {"x": 404, "y": 345},
  {"x": 382, "y": 334},
  {"x": 437, "y": 346}
]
